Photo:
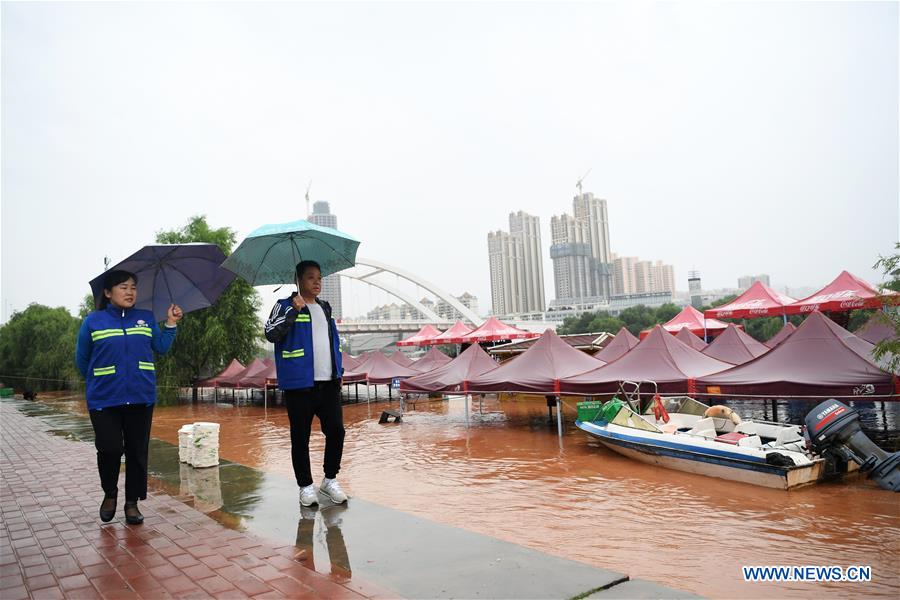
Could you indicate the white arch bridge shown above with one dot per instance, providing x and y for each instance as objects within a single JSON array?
[{"x": 367, "y": 271}]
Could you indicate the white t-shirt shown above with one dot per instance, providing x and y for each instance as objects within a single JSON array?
[{"x": 321, "y": 343}]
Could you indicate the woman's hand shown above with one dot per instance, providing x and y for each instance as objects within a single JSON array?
[{"x": 173, "y": 315}]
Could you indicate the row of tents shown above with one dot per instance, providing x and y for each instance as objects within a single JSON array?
[
  {"x": 846, "y": 292},
  {"x": 818, "y": 358}
]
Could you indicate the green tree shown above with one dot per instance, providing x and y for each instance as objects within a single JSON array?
[
  {"x": 604, "y": 322},
  {"x": 208, "y": 339},
  {"x": 638, "y": 318},
  {"x": 37, "y": 349},
  {"x": 889, "y": 349}
]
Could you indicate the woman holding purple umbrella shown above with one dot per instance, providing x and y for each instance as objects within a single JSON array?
[{"x": 115, "y": 354}]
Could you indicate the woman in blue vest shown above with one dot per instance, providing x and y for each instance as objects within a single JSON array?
[{"x": 115, "y": 353}]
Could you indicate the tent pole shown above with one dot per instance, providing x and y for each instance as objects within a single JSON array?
[
  {"x": 559, "y": 417},
  {"x": 265, "y": 397}
]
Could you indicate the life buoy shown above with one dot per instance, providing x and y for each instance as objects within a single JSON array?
[
  {"x": 659, "y": 411},
  {"x": 719, "y": 411}
]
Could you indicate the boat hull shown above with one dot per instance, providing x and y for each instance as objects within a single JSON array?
[{"x": 711, "y": 464}]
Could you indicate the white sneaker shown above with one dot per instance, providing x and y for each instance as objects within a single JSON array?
[
  {"x": 332, "y": 489},
  {"x": 308, "y": 495}
]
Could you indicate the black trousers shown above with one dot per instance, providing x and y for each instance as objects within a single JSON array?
[
  {"x": 117, "y": 429},
  {"x": 324, "y": 401}
]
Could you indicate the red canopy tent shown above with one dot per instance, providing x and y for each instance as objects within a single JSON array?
[
  {"x": 691, "y": 339},
  {"x": 735, "y": 347},
  {"x": 877, "y": 329},
  {"x": 453, "y": 335},
  {"x": 820, "y": 359},
  {"x": 433, "y": 359},
  {"x": 782, "y": 335},
  {"x": 692, "y": 319},
  {"x": 453, "y": 376},
  {"x": 381, "y": 369},
  {"x": 538, "y": 370},
  {"x": 660, "y": 357},
  {"x": 618, "y": 347},
  {"x": 254, "y": 368},
  {"x": 421, "y": 337},
  {"x": 233, "y": 368},
  {"x": 348, "y": 361},
  {"x": 265, "y": 378},
  {"x": 494, "y": 330},
  {"x": 846, "y": 292},
  {"x": 758, "y": 301},
  {"x": 401, "y": 359}
]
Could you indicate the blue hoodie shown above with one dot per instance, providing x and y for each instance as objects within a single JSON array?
[{"x": 115, "y": 355}]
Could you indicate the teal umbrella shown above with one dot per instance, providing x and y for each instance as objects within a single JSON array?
[{"x": 270, "y": 253}]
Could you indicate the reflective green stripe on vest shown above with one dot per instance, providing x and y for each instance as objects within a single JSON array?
[
  {"x": 105, "y": 371},
  {"x": 292, "y": 353},
  {"x": 139, "y": 331},
  {"x": 146, "y": 366},
  {"x": 304, "y": 318},
  {"x": 101, "y": 334}
]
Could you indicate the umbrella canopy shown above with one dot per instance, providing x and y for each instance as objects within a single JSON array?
[
  {"x": 454, "y": 335},
  {"x": 401, "y": 359},
  {"x": 621, "y": 344},
  {"x": 782, "y": 335},
  {"x": 821, "y": 358},
  {"x": 758, "y": 301},
  {"x": 233, "y": 368},
  {"x": 693, "y": 320},
  {"x": 735, "y": 347},
  {"x": 691, "y": 339},
  {"x": 421, "y": 337},
  {"x": 455, "y": 375},
  {"x": 846, "y": 292},
  {"x": 494, "y": 330},
  {"x": 269, "y": 254},
  {"x": 433, "y": 359},
  {"x": 381, "y": 369},
  {"x": 877, "y": 329},
  {"x": 660, "y": 357},
  {"x": 188, "y": 275},
  {"x": 538, "y": 370}
]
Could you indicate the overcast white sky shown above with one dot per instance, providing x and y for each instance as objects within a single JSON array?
[{"x": 734, "y": 138}]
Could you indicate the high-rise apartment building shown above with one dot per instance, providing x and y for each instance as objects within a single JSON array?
[
  {"x": 748, "y": 280},
  {"x": 517, "y": 274},
  {"x": 580, "y": 251},
  {"x": 331, "y": 285},
  {"x": 632, "y": 275}
]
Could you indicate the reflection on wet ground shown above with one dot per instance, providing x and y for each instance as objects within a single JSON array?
[{"x": 509, "y": 477}]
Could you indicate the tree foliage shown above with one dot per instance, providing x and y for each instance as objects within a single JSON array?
[
  {"x": 889, "y": 349},
  {"x": 209, "y": 338},
  {"x": 37, "y": 349}
]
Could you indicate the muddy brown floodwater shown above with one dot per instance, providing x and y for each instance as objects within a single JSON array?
[{"x": 508, "y": 476}]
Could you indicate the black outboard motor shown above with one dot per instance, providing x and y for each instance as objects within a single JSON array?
[{"x": 833, "y": 429}]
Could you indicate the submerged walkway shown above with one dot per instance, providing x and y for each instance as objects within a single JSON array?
[{"x": 53, "y": 544}]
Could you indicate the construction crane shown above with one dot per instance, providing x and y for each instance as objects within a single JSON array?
[
  {"x": 307, "y": 197},
  {"x": 583, "y": 177}
]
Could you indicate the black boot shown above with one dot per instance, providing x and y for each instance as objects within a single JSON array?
[
  {"x": 108, "y": 509},
  {"x": 133, "y": 516}
]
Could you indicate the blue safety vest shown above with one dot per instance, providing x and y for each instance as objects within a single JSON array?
[{"x": 115, "y": 354}]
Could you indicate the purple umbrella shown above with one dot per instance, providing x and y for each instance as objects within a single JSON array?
[{"x": 188, "y": 275}]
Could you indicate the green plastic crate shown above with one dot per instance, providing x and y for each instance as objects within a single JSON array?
[
  {"x": 6, "y": 392},
  {"x": 589, "y": 411}
]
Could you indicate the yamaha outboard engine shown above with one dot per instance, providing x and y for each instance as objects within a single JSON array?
[{"x": 833, "y": 429}]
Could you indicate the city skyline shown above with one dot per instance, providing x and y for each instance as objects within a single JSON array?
[{"x": 731, "y": 138}]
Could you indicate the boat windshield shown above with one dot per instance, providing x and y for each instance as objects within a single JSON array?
[
  {"x": 679, "y": 404},
  {"x": 628, "y": 418}
]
